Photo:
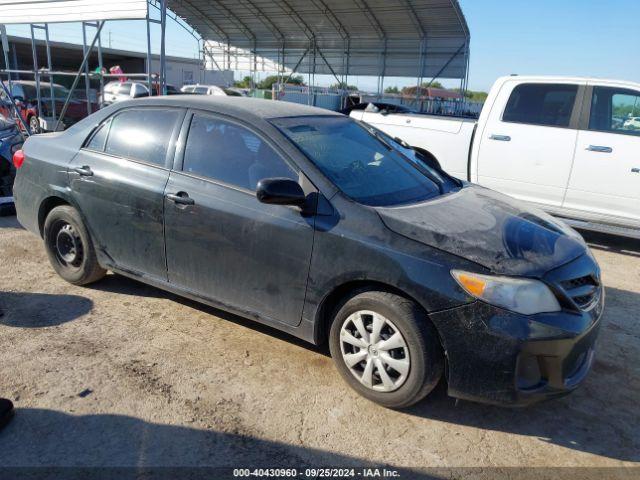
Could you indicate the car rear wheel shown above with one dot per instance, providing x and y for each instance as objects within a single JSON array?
[
  {"x": 69, "y": 247},
  {"x": 386, "y": 348}
]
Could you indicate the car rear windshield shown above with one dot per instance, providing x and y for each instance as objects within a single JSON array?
[{"x": 360, "y": 162}]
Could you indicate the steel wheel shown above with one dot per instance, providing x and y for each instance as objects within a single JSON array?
[
  {"x": 68, "y": 244},
  {"x": 374, "y": 351}
]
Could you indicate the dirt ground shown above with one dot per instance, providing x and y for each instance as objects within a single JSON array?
[{"x": 122, "y": 374}]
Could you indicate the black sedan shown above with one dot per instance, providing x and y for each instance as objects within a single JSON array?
[{"x": 325, "y": 228}]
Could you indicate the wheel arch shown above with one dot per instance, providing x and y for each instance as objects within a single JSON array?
[
  {"x": 46, "y": 206},
  {"x": 324, "y": 313}
]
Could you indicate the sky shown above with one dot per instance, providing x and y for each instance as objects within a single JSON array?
[{"x": 599, "y": 38}]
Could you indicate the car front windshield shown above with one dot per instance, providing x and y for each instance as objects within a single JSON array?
[{"x": 361, "y": 163}]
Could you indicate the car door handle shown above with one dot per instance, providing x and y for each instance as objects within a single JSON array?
[
  {"x": 599, "y": 149},
  {"x": 635, "y": 170},
  {"x": 180, "y": 198},
  {"x": 85, "y": 171},
  {"x": 500, "y": 138}
]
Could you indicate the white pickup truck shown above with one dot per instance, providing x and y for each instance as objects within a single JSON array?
[{"x": 569, "y": 145}]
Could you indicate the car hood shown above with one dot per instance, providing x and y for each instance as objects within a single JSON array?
[{"x": 490, "y": 229}]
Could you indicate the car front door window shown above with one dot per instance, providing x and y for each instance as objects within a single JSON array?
[
  {"x": 232, "y": 154},
  {"x": 615, "y": 110}
]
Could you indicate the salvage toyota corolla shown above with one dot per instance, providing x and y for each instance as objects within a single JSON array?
[{"x": 327, "y": 229}]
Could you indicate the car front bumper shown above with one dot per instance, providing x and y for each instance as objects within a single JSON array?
[{"x": 500, "y": 357}]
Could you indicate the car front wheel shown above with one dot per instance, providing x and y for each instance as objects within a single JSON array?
[
  {"x": 386, "y": 348},
  {"x": 69, "y": 247}
]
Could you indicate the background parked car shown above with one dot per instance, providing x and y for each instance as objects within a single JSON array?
[
  {"x": 25, "y": 94},
  {"x": 632, "y": 123},
  {"x": 377, "y": 107},
  {"x": 211, "y": 90},
  {"x": 118, "y": 91},
  {"x": 11, "y": 140}
]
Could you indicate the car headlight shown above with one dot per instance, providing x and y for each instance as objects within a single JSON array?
[{"x": 520, "y": 295}]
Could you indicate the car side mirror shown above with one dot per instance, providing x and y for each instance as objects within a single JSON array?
[
  {"x": 140, "y": 94},
  {"x": 384, "y": 112},
  {"x": 280, "y": 191}
]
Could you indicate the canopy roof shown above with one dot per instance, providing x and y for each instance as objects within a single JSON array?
[{"x": 405, "y": 38}]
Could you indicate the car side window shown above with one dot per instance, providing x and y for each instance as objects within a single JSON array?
[
  {"x": 230, "y": 153},
  {"x": 98, "y": 138},
  {"x": 543, "y": 104},
  {"x": 139, "y": 90},
  {"x": 615, "y": 110},
  {"x": 142, "y": 134}
]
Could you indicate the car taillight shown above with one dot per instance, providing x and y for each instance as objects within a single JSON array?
[{"x": 18, "y": 158}]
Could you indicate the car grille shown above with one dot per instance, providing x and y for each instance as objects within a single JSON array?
[{"x": 584, "y": 291}]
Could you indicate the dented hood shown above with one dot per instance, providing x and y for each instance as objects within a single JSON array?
[{"x": 490, "y": 229}]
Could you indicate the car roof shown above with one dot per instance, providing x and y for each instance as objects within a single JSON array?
[
  {"x": 237, "y": 106},
  {"x": 33, "y": 83}
]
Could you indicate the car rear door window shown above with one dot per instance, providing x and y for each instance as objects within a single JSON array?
[
  {"x": 541, "y": 104},
  {"x": 139, "y": 90},
  {"x": 124, "y": 89},
  {"x": 99, "y": 136},
  {"x": 229, "y": 153},
  {"x": 615, "y": 110},
  {"x": 142, "y": 134}
]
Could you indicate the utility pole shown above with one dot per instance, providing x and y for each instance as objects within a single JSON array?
[{"x": 109, "y": 38}]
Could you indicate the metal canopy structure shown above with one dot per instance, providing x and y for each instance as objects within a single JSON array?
[
  {"x": 403, "y": 38},
  {"x": 382, "y": 38}
]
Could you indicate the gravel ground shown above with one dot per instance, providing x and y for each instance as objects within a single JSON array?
[{"x": 122, "y": 374}]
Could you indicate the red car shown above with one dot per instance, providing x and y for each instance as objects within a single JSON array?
[{"x": 25, "y": 94}]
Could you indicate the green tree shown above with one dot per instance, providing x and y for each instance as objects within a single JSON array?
[
  {"x": 343, "y": 86},
  {"x": 269, "y": 81},
  {"x": 433, "y": 85},
  {"x": 393, "y": 89},
  {"x": 244, "y": 83}
]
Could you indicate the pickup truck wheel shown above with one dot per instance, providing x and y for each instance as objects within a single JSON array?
[
  {"x": 69, "y": 247},
  {"x": 386, "y": 348}
]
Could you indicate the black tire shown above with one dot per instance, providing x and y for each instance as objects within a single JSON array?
[
  {"x": 420, "y": 336},
  {"x": 69, "y": 247}
]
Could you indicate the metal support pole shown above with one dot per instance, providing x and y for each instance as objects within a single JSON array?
[
  {"x": 51, "y": 90},
  {"x": 309, "y": 71},
  {"x": 297, "y": 65},
  {"x": 163, "y": 60},
  {"x": 36, "y": 74},
  {"x": 78, "y": 74},
  {"x": 149, "y": 83},
  {"x": 86, "y": 67},
  {"x": 100, "y": 65},
  {"x": 423, "y": 50},
  {"x": 5, "y": 51}
]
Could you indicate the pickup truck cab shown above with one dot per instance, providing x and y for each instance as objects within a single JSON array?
[{"x": 568, "y": 145}]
